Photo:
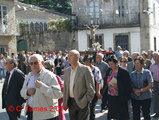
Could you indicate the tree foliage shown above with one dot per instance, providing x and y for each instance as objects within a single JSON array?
[
  {"x": 63, "y": 6},
  {"x": 60, "y": 24}
]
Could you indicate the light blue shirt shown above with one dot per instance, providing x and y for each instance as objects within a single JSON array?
[
  {"x": 31, "y": 84},
  {"x": 137, "y": 82}
]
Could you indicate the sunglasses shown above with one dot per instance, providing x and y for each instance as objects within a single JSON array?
[{"x": 34, "y": 63}]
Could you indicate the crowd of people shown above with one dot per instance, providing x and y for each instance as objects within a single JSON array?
[{"x": 76, "y": 81}]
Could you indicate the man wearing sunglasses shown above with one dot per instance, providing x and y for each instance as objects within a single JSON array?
[
  {"x": 41, "y": 90},
  {"x": 11, "y": 98}
]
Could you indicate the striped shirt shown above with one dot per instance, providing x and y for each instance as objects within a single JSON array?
[{"x": 154, "y": 68}]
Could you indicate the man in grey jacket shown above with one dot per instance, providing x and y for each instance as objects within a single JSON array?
[
  {"x": 131, "y": 65},
  {"x": 41, "y": 90},
  {"x": 78, "y": 88}
]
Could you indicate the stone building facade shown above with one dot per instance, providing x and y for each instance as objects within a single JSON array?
[
  {"x": 7, "y": 27},
  {"x": 132, "y": 24},
  {"x": 47, "y": 40},
  {"x": 34, "y": 34}
]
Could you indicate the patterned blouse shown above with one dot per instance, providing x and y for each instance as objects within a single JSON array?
[{"x": 112, "y": 79}]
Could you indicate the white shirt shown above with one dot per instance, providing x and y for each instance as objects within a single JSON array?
[
  {"x": 72, "y": 79},
  {"x": 31, "y": 84},
  {"x": 11, "y": 72}
]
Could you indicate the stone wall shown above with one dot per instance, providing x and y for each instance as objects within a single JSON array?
[
  {"x": 49, "y": 40},
  {"x": 109, "y": 14}
]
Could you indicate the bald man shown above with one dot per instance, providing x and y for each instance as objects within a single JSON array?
[{"x": 79, "y": 88}]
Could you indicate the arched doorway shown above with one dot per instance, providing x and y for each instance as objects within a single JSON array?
[{"x": 22, "y": 45}]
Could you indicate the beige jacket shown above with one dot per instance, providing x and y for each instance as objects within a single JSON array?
[
  {"x": 45, "y": 99},
  {"x": 84, "y": 87}
]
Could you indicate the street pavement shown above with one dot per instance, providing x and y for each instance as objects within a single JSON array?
[{"x": 99, "y": 115}]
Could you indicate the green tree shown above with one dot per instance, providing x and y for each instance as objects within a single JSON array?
[
  {"x": 63, "y": 6},
  {"x": 60, "y": 24}
]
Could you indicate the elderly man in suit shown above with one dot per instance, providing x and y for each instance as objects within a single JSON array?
[
  {"x": 11, "y": 99},
  {"x": 79, "y": 88}
]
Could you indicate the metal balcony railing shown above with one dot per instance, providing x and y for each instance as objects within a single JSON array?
[{"x": 114, "y": 21}]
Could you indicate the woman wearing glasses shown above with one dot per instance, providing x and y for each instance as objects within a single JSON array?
[
  {"x": 123, "y": 62},
  {"x": 119, "y": 90},
  {"x": 141, "y": 81}
]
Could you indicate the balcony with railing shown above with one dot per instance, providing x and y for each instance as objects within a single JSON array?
[{"x": 107, "y": 22}]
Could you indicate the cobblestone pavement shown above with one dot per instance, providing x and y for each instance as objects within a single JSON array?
[{"x": 99, "y": 116}]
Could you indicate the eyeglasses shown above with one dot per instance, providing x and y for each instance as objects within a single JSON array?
[
  {"x": 137, "y": 63},
  {"x": 34, "y": 63},
  {"x": 123, "y": 61}
]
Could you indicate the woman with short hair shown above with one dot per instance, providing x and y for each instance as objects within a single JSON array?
[
  {"x": 119, "y": 90},
  {"x": 141, "y": 81},
  {"x": 123, "y": 62}
]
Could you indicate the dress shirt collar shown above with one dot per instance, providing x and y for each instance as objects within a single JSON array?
[
  {"x": 142, "y": 71},
  {"x": 11, "y": 72},
  {"x": 75, "y": 67},
  {"x": 39, "y": 72}
]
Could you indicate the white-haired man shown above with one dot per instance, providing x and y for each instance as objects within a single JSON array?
[
  {"x": 126, "y": 54},
  {"x": 41, "y": 90},
  {"x": 103, "y": 67},
  {"x": 79, "y": 88},
  {"x": 119, "y": 52}
]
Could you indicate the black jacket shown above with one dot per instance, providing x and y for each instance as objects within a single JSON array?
[
  {"x": 13, "y": 96},
  {"x": 124, "y": 84}
]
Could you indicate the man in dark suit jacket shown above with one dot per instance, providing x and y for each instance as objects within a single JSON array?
[
  {"x": 58, "y": 63},
  {"x": 11, "y": 98}
]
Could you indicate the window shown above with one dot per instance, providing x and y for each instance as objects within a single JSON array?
[
  {"x": 98, "y": 38},
  {"x": 94, "y": 9},
  {"x": 122, "y": 40},
  {"x": 41, "y": 26},
  {"x": 3, "y": 18},
  {"x": 120, "y": 8},
  {"x": 155, "y": 47},
  {"x": 123, "y": 8},
  {"x": 22, "y": 28},
  {"x": 97, "y": 9},
  {"x": 45, "y": 27},
  {"x": 37, "y": 27},
  {"x": 2, "y": 49},
  {"x": 154, "y": 14},
  {"x": 91, "y": 7},
  {"x": 32, "y": 27}
]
